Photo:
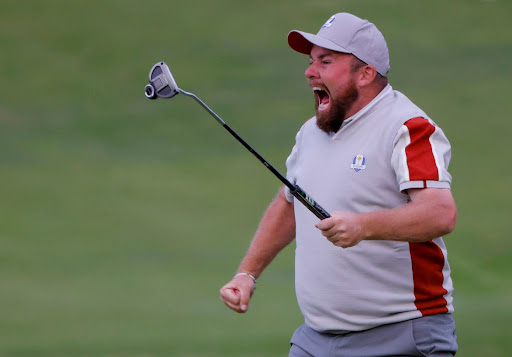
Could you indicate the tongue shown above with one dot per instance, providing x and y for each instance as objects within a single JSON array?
[{"x": 324, "y": 99}]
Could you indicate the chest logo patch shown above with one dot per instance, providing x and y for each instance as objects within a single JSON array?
[{"x": 358, "y": 163}]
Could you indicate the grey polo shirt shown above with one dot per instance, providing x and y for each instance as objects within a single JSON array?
[{"x": 386, "y": 148}]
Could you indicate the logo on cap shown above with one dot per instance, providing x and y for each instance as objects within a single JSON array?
[
  {"x": 329, "y": 22},
  {"x": 358, "y": 163}
]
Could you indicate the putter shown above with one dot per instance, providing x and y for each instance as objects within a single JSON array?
[{"x": 162, "y": 85}]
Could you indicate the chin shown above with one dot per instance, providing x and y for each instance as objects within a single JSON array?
[{"x": 328, "y": 121}]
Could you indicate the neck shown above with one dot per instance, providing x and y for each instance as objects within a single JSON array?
[{"x": 366, "y": 95}]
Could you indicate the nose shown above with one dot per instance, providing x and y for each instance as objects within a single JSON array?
[{"x": 311, "y": 72}]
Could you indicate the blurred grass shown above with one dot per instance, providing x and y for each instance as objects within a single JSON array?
[{"x": 121, "y": 218}]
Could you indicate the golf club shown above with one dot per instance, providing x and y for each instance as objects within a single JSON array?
[{"x": 162, "y": 85}]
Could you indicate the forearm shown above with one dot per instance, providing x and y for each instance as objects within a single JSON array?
[
  {"x": 276, "y": 231},
  {"x": 432, "y": 216}
]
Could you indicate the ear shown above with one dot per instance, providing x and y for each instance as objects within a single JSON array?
[{"x": 365, "y": 75}]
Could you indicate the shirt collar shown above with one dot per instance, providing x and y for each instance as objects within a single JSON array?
[{"x": 383, "y": 93}]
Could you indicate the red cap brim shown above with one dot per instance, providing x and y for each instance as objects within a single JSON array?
[{"x": 299, "y": 43}]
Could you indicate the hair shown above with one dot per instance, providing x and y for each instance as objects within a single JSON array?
[{"x": 357, "y": 63}]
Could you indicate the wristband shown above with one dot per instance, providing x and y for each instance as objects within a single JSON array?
[{"x": 249, "y": 275}]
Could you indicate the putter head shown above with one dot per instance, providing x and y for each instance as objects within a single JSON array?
[{"x": 161, "y": 83}]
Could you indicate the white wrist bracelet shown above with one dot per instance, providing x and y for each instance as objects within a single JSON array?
[{"x": 249, "y": 275}]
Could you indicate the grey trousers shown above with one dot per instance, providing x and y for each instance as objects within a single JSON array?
[{"x": 432, "y": 336}]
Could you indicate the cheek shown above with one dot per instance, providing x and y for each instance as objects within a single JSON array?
[
  {"x": 337, "y": 80},
  {"x": 341, "y": 84}
]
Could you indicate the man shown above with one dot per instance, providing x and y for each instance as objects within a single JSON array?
[{"x": 372, "y": 280}]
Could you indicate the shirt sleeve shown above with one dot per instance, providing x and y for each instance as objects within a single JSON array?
[{"x": 421, "y": 155}]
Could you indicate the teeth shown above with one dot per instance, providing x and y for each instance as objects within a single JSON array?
[{"x": 321, "y": 106}]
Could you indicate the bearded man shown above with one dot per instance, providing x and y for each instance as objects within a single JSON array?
[{"x": 373, "y": 279}]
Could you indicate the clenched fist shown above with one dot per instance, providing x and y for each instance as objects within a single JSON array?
[{"x": 237, "y": 293}]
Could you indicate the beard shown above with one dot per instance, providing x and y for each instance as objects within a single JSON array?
[{"x": 330, "y": 121}]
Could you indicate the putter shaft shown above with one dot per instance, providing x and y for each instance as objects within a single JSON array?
[{"x": 295, "y": 190}]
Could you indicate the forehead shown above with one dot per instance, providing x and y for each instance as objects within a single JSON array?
[{"x": 320, "y": 52}]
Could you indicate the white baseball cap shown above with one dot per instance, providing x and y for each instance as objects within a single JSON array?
[{"x": 346, "y": 33}]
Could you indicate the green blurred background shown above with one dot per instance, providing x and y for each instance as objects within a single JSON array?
[{"x": 122, "y": 217}]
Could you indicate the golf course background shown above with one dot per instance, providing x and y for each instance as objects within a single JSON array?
[{"x": 120, "y": 217}]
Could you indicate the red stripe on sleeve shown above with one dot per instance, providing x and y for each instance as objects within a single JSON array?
[
  {"x": 420, "y": 157},
  {"x": 427, "y": 272}
]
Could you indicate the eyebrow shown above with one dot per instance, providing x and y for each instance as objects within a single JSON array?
[{"x": 321, "y": 57}]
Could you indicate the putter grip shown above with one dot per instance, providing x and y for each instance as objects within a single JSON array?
[{"x": 309, "y": 202}]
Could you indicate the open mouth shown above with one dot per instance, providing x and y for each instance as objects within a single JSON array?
[{"x": 323, "y": 100}]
